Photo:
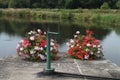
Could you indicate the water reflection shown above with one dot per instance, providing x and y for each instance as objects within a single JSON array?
[
  {"x": 8, "y": 44},
  {"x": 66, "y": 30},
  {"x": 112, "y": 47},
  {"x": 11, "y": 31}
]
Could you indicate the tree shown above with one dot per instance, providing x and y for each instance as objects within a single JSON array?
[
  {"x": 4, "y": 3},
  {"x": 61, "y": 4},
  {"x": 118, "y": 4},
  {"x": 19, "y": 4},
  {"x": 11, "y": 3},
  {"x": 68, "y": 3},
  {"x": 112, "y": 3},
  {"x": 105, "y": 6}
]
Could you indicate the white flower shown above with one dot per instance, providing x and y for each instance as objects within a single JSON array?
[
  {"x": 88, "y": 45},
  {"x": 42, "y": 57},
  {"x": 67, "y": 44},
  {"x": 86, "y": 56},
  {"x": 33, "y": 32},
  {"x": 18, "y": 46},
  {"x": 99, "y": 46},
  {"x": 21, "y": 49},
  {"x": 32, "y": 52},
  {"x": 87, "y": 50},
  {"x": 98, "y": 51},
  {"x": 91, "y": 53},
  {"x": 32, "y": 38},
  {"x": 36, "y": 48},
  {"x": 75, "y": 36},
  {"x": 71, "y": 41},
  {"x": 45, "y": 33},
  {"x": 72, "y": 46},
  {"x": 77, "y": 32},
  {"x": 52, "y": 40},
  {"x": 39, "y": 30},
  {"x": 52, "y": 44},
  {"x": 80, "y": 47},
  {"x": 51, "y": 48},
  {"x": 29, "y": 33},
  {"x": 94, "y": 46},
  {"x": 41, "y": 48},
  {"x": 45, "y": 45}
]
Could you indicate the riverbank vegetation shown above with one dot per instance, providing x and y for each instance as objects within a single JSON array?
[
  {"x": 83, "y": 15},
  {"x": 102, "y": 11}
]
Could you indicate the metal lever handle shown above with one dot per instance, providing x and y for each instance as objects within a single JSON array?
[{"x": 53, "y": 33}]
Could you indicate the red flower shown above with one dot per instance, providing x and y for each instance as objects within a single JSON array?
[
  {"x": 70, "y": 50},
  {"x": 89, "y": 32},
  {"x": 84, "y": 47},
  {"x": 25, "y": 42},
  {"x": 42, "y": 43},
  {"x": 79, "y": 52},
  {"x": 80, "y": 57},
  {"x": 96, "y": 42},
  {"x": 73, "y": 53},
  {"x": 33, "y": 46},
  {"x": 87, "y": 38},
  {"x": 37, "y": 44},
  {"x": 56, "y": 46}
]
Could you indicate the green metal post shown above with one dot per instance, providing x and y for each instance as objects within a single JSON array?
[
  {"x": 48, "y": 68},
  {"x": 48, "y": 65},
  {"x": 48, "y": 53}
]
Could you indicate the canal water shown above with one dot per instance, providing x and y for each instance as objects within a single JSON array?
[{"x": 12, "y": 31}]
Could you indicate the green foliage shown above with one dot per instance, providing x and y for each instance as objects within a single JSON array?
[
  {"x": 11, "y": 4},
  {"x": 80, "y": 15},
  {"x": 105, "y": 6},
  {"x": 68, "y": 4},
  {"x": 35, "y": 5},
  {"x": 118, "y": 4},
  {"x": 19, "y": 4},
  {"x": 4, "y": 3}
]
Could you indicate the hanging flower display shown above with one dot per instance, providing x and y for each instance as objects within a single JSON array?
[
  {"x": 33, "y": 46},
  {"x": 85, "y": 47}
]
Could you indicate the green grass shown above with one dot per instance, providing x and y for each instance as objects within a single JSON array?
[{"x": 83, "y": 15}]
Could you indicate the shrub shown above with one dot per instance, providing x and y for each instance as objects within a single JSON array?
[
  {"x": 118, "y": 4},
  {"x": 105, "y": 6}
]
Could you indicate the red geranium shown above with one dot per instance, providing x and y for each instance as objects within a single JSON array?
[
  {"x": 33, "y": 46},
  {"x": 85, "y": 46}
]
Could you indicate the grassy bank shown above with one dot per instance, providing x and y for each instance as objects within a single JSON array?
[{"x": 84, "y": 15}]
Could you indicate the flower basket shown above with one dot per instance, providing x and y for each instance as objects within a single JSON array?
[
  {"x": 85, "y": 47},
  {"x": 33, "y": 46}
]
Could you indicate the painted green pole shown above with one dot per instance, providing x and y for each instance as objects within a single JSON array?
[{"x": 48, "y": 68}]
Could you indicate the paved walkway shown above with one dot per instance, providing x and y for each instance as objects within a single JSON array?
[{"x": 13, "y": 68}]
